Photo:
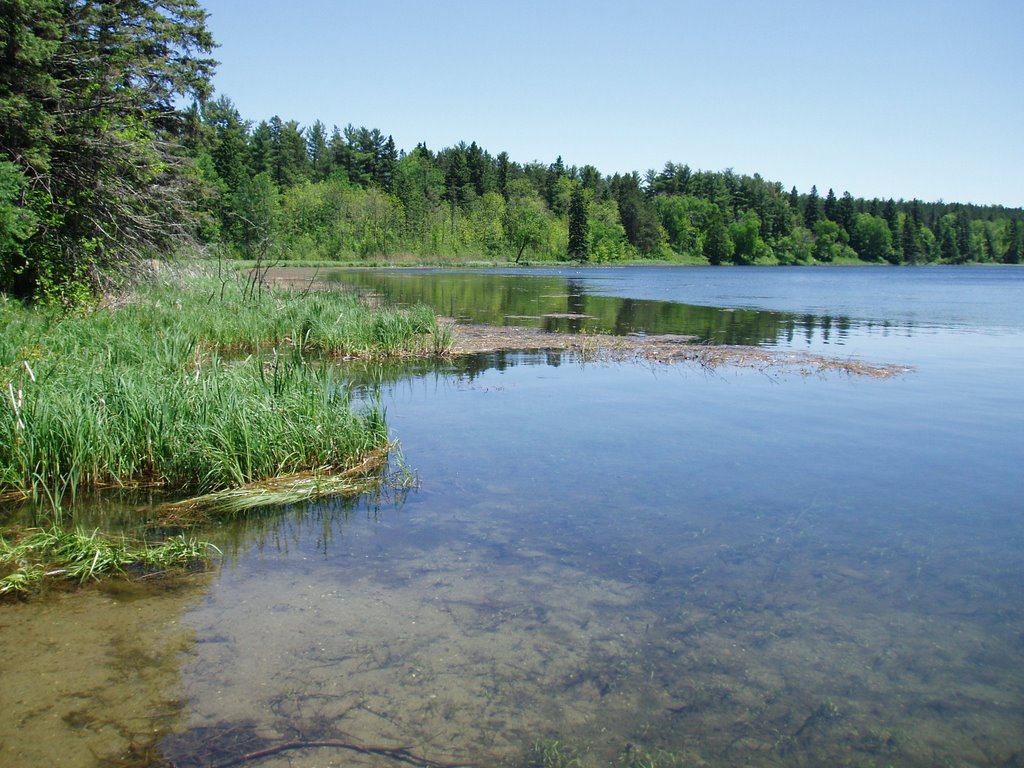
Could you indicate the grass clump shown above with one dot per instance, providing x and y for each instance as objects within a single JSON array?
[
  {"x": 75, "y": 555},
  {"x": 195, "y": 386},
  {"x": 552, "y": 753}
]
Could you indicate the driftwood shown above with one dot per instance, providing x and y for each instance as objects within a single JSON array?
[{"x": 399, "y": 755}]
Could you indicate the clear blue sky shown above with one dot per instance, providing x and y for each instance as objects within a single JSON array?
[{"x": 923, "y": 98}]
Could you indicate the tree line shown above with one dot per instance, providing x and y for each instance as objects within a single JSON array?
[
  {"x": 349, "y": 194},
  {"x": 102, "y": 169}
]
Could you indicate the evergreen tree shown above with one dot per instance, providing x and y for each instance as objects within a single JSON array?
[
  {"x": 456, "y": 178},
  {"x": 812, "y": 209},
  {"x": 260, "y": 149},
  {"x": 289, "y": 163},
  {"x": 831, "y": 207},
  {"x": 591, "y": 179},
  {"x": 845, "y": 212},
  {"x": 910, "y": 240},
  {"x": 794, "y": 201},
  {"x": 892, "y": 219},
  {"x": 717, "y": 245},
  {"x": 948, "y": 249},
  {"x": 637, "y": 213},
  {"x": 555, "y": 172},
  {"x": 88, "y": 115},
  {"x": 1014, "y": 253},
  {"x": 965, "y": 243},
  {"x": 320, "y": 160},
  {"x": 502, "y": 172},
  {"x": 477, "y": 163},
  {"x": 579, "y": 228},
  {"x": 991, "y": 253},
  {"x": 229, "y": 144}
]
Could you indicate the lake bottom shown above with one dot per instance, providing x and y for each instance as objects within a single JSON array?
[{"x": 721, "y": 569}]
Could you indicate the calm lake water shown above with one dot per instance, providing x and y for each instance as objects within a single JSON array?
[{"x": 740, "y": 567}]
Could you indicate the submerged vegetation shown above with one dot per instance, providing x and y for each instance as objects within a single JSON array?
[
  {"x": 55, "y": 553},
  {"x": 552, "y": 753},
  {"x": 194, "y": 386}
]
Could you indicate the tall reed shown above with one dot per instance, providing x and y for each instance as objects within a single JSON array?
[{"x": 191, "y": 385}]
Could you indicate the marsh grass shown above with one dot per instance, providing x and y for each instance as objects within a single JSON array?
[
  {"x": 190, "y": 385},
  {"x": 36, "y": 555}
]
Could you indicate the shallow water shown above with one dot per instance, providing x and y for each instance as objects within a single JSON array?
[{"x": 738, "y": 567}]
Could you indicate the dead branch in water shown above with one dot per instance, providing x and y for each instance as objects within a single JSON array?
[{"x": 399, "y": 754}]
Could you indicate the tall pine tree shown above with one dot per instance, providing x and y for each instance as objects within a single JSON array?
[{"x": 579, "y": 227}]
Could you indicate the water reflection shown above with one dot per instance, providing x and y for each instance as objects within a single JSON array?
[{"x": 570, "y": 305}]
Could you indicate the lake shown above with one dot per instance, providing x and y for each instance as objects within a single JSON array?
[{"x": 737, "y": 566}]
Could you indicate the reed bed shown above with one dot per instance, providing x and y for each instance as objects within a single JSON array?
[{"x": 192, "y": 385}]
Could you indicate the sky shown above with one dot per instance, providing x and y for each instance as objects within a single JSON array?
[{"x": 914, "y": 99}]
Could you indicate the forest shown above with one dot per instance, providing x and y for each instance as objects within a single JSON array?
[{"x": 116, "y": 150}]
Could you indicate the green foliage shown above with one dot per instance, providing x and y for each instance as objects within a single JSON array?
[
  {"x": 158, "y": 391},
  {"x": 100, "y": 170},
  {"x": 17, "y": 223},
  {"x": 579, "y": 226},
  {"x": 637, "y": 213},
  {"x": 830, "y": 242},
  {"x": 871, "y": 238},
  {"x": 608, "y": 240},
  {"x": 256, "y": 214},
  {"x": 748, "y": 247},
  {"x": 718, "y": 246},
  {"x": 87, "y": 112},
  {"x": 525, "y": 221},
  {"x": 1014, "y": 253}
]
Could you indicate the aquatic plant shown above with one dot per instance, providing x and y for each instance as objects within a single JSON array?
[
  {"x": 189, "y": 385},
  {"x": 639, "y": 757},
  {"x": 552, "y": 753},
  {"x": 77, "y": 555},
  {"x": 295, "y": 488}
]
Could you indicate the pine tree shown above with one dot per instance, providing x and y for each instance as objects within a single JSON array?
[
  {"x": 812, "y": 209},
  {"x": 794, "y": 201},
  {"x": 579, "y": 226},
  {"x": 88, "y": 114},
  {"x": 502, "y": 172},
  {"x": 1014, "y": 253},
  {"x": 910, "y": 241},
  {"x": 320, "y": 161},
  {"x": 845, "y": 212},
  {"x": 831, "y": 207}
]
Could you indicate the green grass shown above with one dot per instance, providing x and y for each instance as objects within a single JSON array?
[
  {"x": 38, "y": 555},
  {"x": 192, "y": 385}
]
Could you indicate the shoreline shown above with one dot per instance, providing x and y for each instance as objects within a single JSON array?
[{"x": 469, "y": 339}]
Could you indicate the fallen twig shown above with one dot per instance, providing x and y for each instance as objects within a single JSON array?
[{"x": 400, "y": 754}]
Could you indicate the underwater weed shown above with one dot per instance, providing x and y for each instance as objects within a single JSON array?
[
  {"x": 552, "y": 753},
  {"x": 75, "y": 555},
  {"x": 638, "y": 757}
]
